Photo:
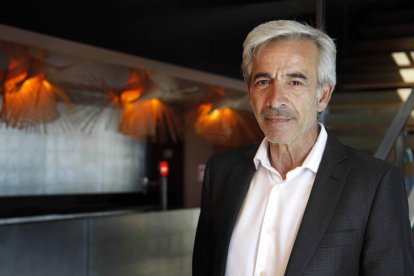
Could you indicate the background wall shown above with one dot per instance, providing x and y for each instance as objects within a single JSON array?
[
  {"x": 196, "y": 153},
  {"x": 69, "y": 162}
]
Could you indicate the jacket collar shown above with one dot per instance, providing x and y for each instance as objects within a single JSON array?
[
  {"x": 237, "y": 186},
  {"x": 329, "y": 182}
]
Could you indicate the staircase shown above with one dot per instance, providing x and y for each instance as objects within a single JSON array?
[
  {"x": 370, "y": 64},
  {"x": 375, "y": 77},
  {"x": 371, "y": 86}
]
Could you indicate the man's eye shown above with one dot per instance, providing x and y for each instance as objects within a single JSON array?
[
  {"x": 295, "y": 83},
  {"x": 262, "y": 82}
]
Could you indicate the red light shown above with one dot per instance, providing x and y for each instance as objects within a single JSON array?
[{"x": 164, "y": 168}]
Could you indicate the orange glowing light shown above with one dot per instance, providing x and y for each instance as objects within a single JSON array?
[
  {"x": 28, "y": 100},
  {"x": 149, "y": 118},
  {"x": 216, "y": 125},
  {"x": 225, "y": 126},
  {"x": 18, "y": 68},
  {"x": 135, "y": 86},
  {"x": 214, "y": 115},
  {"x": 32, "y": 103},
  {"x": 130, "y": 96}
]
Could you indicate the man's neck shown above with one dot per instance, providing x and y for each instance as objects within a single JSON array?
[{"x": 286, "y": 157}]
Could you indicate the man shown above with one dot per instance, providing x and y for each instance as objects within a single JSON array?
[{"x": 300, "y": 203}]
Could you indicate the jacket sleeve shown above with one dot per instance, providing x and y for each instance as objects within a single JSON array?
[
  {"x": 388, "y": 246},
  {"x": 202, "y": 250}
]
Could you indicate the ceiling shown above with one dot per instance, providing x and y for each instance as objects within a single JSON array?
[{"x": 205, "y": 35}]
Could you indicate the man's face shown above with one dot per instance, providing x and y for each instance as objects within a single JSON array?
[{"x": 283, "y": 90}]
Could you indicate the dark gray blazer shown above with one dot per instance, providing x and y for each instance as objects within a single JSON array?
[{"x": 355, "y": 223}]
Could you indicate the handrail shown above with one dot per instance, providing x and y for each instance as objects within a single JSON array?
[
  {"x": 411, "y": 208},
  {"x": 393, "y": 137},
  {"x": 396, "y": 127}
]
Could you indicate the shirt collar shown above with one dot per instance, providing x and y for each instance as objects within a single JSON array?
[{"x": 311, "y": 161}]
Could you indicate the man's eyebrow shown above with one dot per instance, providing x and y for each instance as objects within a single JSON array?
[
  {"x": 260, "y": 75},
  {"x": 292, "y": 75},
  {"x": 297, "y": 75}
]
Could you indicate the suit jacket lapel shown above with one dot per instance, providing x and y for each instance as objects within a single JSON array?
[
  {"x": 237, "y": 186},
  {"x": 327, "y": 189}
]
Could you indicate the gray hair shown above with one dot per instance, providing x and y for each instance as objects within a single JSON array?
[{"x": 287, "y": 29}]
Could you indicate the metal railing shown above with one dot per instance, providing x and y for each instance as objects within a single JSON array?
[
  {"x": 394, "y": 138},
  {"x": 396, "y": 128}
]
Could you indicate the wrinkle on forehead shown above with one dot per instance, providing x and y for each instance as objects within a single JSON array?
[{"x": 285, "y": 63}]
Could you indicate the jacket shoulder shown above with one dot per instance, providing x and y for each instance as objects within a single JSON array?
[
  {"x": 360, "y": 158},
  {"x": 353, "y": 157}
]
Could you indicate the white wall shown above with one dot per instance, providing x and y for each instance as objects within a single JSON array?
[{"x": 62, "y": 161}]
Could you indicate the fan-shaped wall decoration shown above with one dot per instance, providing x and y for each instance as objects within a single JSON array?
[
  {"x": 18, "y": 68},
  {"x": 224, "y": 118},
  {"x": 29, "y": 98},
  {"x": 145, "y": 115},
  {"x": 33, "y": 102},
  {"x": 99, "y": 103},
  {"x": 138, "y": 103},
  {"x": 149, "y": 119}
]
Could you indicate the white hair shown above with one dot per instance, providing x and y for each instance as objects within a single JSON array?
[{"x": 287, "y": 29}]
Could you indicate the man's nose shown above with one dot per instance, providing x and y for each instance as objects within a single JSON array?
[{"x": 276, "y": 95}]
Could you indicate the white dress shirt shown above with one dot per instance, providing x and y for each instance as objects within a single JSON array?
[{"x": 272, "y": 211}]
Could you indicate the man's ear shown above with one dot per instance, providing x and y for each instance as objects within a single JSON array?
[{"x": 325, "y": 97}]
